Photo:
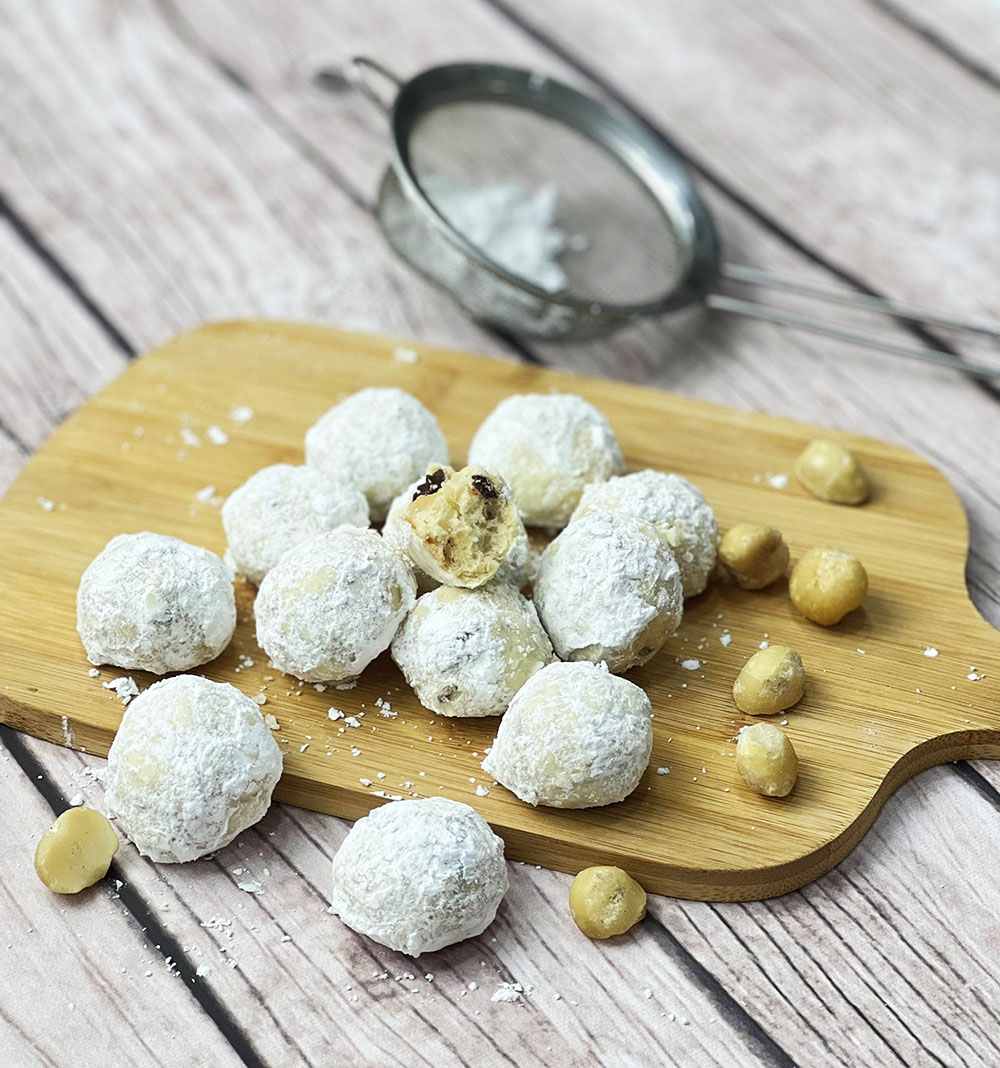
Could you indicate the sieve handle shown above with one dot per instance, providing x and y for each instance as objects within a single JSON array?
[{"x": 359, "y": 72}]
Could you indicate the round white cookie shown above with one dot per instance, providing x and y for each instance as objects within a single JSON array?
[
  {"x": 149, "y": 602},
  {"x": 467, "y": 652},
  {"x": 608, "y": 589},
  {"x": 192, "y": 765},
  {"x": 379, "y": 440},
  {"x": 332, "y": 604},
  {"x": 516, "y": 569},
  {"x": 417, "y": 876},
  {"x": 547, "y": 447},
  {"x": 281, "y": 506},
  {"x": 674, "y": 506},
  {"x": 575, "y": 736}
]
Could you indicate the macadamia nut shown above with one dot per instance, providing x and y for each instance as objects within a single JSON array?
[
  {"x": 826, "y": 584},
  {"x": 379, "y": 440},
  {"x": 755, "y": 554},
  {"x": 606, "y": 901},
  {"x": 547, "y": 446},
  {"x": 831, "y": 473},
  {"x": 76, "y": 851},
  {"x": 771, "y": 680},
  {"x": 462, "y": 525},
  {"x": 766, "y": 760}
]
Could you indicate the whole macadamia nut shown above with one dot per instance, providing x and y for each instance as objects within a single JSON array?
[
  {"x": 766, "y": 760},
  {"x": 831, "y": 473},
  {"x": 76, "y": 851},
  {"x": 754, "y": 554},
  {"x": 826, "y": 584},
  {"x": 606, "y": 901},
  {"x": 771, "y": 681}
]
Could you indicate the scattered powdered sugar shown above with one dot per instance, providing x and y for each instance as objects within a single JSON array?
[
  {"x": 76, "y": 800},
  {"x": 930, "y": 651},
  {"x": 271, "y": 722},
  {"x": 241, "y": 413},
  {"x": 401, "y": 354},
  {"x": 94, "y": 673},
  {"x": 974, "y": 676},
  {"x": 764, "y": 644},
  {"x": 691, "y": 665},
  {"x": 217, "y": 436},
  {"x": 46, "y": 504},
  {"x": 124, "y": 686},
  {"x": 663, "y": 771},
  {"x": 481, "y": 791},
  {"x": 725, "y": 638},
  {"x": 508, "y": 992},
  {"x": 250, "y": 886},
  {"x": 190, "y": 438},
  {"x": 779, "y": 481}
]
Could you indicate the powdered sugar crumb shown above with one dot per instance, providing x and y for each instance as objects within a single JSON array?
[
  {"x": 930, "y": 651},
  {"x": 241, "y": 413},
  {"x": 508, "y": 992},
  {"x": 691, "y": 664},
  {"x": 401, "y": 354},
  {"x": 217, "y": 436},
  {"x": 124, "y": 688}
]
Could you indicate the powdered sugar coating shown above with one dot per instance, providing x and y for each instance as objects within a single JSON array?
[
  {"x": 378, "y": 440},
  {"x": 467, "y": 652},
  {"x": 676, "y": 507},
  {"x": 547, "y": 447},
  {"x": 417, "y": 876},
  {"x": 609, "y": 589},
  {"x": 281, "y": 506},
  {"x": 575, "y": 736},
  {"x": 154, "y": 603},
  {"x": 192, "y": 765},
  {"x": 332, "y": 604},
  {"x": 516, "y": 569}
]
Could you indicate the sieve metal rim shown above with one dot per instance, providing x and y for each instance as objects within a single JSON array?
[{"x": 640, "y": 150}]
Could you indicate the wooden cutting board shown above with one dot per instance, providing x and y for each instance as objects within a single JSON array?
[{"x": 877, "y": 710}]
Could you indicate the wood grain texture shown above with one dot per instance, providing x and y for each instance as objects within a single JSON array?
[
  {"x": 928, "y": 895},
  {"x": 862, "y": 731}
]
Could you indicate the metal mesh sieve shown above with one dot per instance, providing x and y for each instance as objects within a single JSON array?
[
  {"x": 636, "y": 244},
  {"x": 639, "y": 240}
]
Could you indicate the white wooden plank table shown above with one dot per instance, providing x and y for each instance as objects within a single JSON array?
[{"x": 170, "y": 161}]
